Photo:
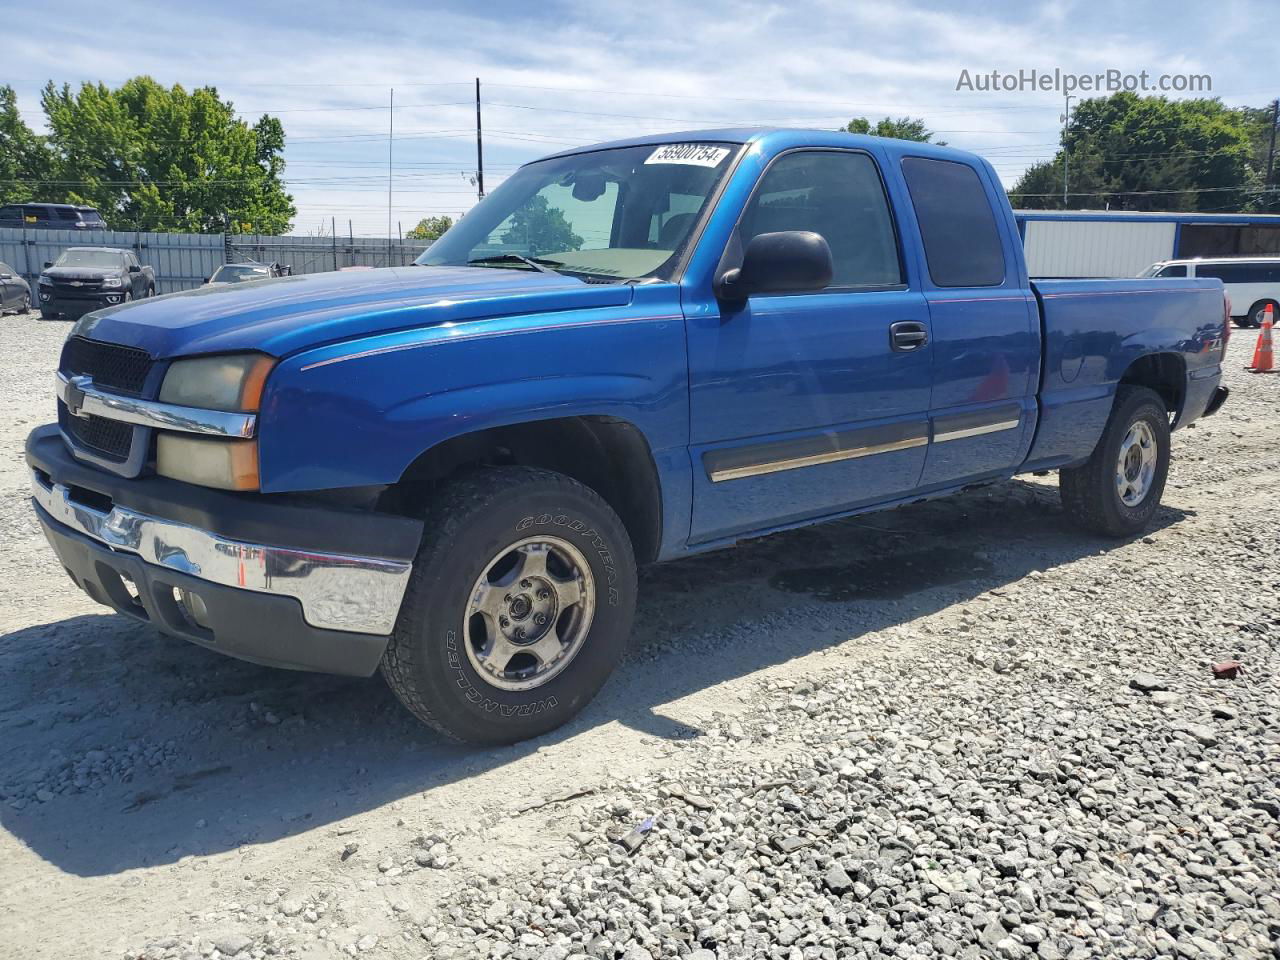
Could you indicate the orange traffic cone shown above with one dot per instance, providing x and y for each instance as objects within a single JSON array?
[{"x": 1263, "y": 357}]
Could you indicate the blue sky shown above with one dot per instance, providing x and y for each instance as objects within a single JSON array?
[{"x": 556, "y": 74}]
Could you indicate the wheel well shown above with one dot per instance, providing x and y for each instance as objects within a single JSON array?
[
  {"x": 1165, "y": 373},
  {"x": 608, "y": 455}
]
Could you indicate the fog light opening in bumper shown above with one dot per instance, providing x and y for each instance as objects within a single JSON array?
[
  {"x": 44, "y": 297},
  {"x": 192, "y": 607},
  {"x": 113, "y": 298},
  {"x": 131, "y": 588}
]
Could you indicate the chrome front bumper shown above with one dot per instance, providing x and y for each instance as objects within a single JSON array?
[{"x": 336, "y": 592}]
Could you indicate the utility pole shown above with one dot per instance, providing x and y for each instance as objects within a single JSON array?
[
  {"x": 1066, "y": 120},
  {"x": 479, "y": 148},
  {"x": 1271, "y": 151},
  {"x": 391, "y": 129}
]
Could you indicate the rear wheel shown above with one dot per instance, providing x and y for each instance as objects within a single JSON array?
[
  {"x": 1259, "y": 309},
  {"x": 1117, "y": 491},
  {"x": 518, "y": 609}
]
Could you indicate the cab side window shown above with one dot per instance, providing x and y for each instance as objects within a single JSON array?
[
  {"x": 1174, "y": 270},
  {"x": 839, "y": 195},
  {"x": 957, "y": 225}
]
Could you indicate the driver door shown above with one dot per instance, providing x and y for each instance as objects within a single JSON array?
[{"x": 805, "y": 404}]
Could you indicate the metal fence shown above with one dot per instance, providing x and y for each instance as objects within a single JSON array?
[
  {"x": 181, "y": 260},
  {"x": 184, "y": 260},
  {"x": 318, "y": 254}
]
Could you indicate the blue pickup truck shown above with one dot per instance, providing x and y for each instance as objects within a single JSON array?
[{"x": 626, "y": 353}]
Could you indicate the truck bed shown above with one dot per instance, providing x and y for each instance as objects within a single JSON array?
[{"x": 1094, "y": 329}]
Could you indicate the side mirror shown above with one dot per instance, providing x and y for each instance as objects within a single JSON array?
[
  {"x": 134, "y": 268},
  {"x": 48, "y": 264},
  {"x": 788, "y": 261}
]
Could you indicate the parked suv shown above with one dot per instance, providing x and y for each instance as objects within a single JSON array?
[
  {"x": 1252, "y": 284},
  {"x": 51, "y": 216},
  {"x": 86, "y": 278}
]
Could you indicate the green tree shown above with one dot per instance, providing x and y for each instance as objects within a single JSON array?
[
  {"x": 159, "y": 158},
  {"x": 1149, "y": 153},
  {"x": 24, "y": 158},
  {"x": 430, "y": 228},
  {"x": 903, "y": 128},
  {"x": 540, "y": 228}
]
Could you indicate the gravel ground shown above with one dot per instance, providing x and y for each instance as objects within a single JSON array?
[{"x": 957, "y": 729}]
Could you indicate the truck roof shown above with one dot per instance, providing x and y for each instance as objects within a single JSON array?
[
  {"x": 788, "y": 136},
  {"x": 107, "y": 249}
]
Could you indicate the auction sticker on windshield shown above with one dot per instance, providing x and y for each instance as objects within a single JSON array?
[{"x": 696, "y": 154}]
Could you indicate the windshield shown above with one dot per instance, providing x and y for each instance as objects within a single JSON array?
[
  {"x": 89, "y": 258},
  {"x": 238, "y": 273},
  {"x": 608, "y": 215}
]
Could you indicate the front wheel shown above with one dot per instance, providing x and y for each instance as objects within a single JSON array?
[
  {"x": 1117, "y": 490},
  {"x": 518, "y": 608}
]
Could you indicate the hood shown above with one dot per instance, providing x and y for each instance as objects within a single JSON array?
[
  {"x": 81, "y": 273},
  {"x": 283, "y": 315}
]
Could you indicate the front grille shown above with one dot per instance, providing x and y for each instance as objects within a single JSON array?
[
  {"x": 107, "y": 438},
  {"x": 75, "y": 287},
  {"x": 109, "y": 365}
]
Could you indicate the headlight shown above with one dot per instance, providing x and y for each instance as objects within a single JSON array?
[
  {"x": 207, "y": 461},
  {"x": 112, "y": 282},
  {"x": 45, "y": 281},
  {"x": 233, "y": 382}
]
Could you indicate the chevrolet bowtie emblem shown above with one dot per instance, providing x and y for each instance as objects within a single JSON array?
[
  {"x": 74, "y": 395},
  {"x": 77, "y": 283}
]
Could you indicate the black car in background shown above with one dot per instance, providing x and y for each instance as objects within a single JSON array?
[
  {"x": 86, "y": 278},
  {"x": 51, "y": 216},
  {"x": 15, "y": 293},
  {"x": 247, "y": 271}
]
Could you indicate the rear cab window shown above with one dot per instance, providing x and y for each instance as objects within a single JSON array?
[{"x": 957, "y": 225}]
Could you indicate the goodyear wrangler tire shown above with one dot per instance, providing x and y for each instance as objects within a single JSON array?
[
  {"x": 518, "y": 609},
  {"x": 1117, "y": 490}
]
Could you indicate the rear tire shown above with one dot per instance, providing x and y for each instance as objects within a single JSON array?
[
  {"x": 449, "y": 660},
  {"x": 1117, "y": 490},
  {"x": 1259, "y": 309}
]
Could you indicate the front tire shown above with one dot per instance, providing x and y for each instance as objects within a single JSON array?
[
  {"x": 519, "y": 606},
  {"x": 1117, "y": 490}
]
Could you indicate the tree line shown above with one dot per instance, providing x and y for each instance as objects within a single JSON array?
[
  {"x": 148, "y": 157},
  {"x": 1128, "y": 152}
]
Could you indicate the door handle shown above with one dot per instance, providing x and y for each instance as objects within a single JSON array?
[{"x": 907, "y": 335}]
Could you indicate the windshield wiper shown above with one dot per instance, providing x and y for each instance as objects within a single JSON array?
[{"x": 541, "y": 264}]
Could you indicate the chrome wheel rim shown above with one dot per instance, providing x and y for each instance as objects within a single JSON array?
[
  {"x": 1136, "y": 465},
  {"x": 529, "y": 613}
]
